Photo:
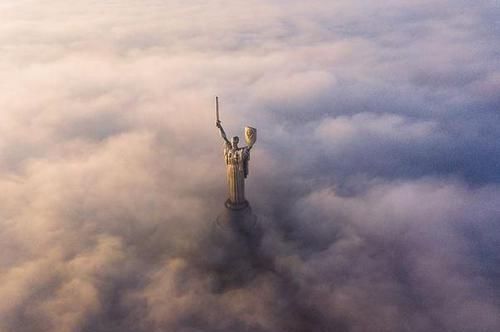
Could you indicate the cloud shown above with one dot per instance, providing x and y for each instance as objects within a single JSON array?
[{"x": 375, "y": 176}]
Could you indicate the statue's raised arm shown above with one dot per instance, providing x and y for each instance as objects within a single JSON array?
[{"x": 221, "y": 131}]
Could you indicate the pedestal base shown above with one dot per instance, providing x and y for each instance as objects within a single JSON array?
[
  {"x": 240, "y": 206},
  {"x": 239, "y": 226},
  {"x": 241, "y": 220},
  {"x": 237, "y": 237}
]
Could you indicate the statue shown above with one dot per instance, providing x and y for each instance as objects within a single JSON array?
[{"x": 236, "y": 159}]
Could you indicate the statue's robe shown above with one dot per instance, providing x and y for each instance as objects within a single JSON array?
[{"x": 237, "y": 171}]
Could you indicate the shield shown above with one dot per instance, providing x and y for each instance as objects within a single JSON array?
[{"x": 250, "y": 135}]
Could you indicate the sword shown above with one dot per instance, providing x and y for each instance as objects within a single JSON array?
[{"x": 217, "y": 108}]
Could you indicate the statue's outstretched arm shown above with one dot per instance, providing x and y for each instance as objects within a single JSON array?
[{"x": 222, "y": 132}]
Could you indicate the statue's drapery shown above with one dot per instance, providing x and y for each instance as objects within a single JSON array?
[{"x": 237, "y": 168}]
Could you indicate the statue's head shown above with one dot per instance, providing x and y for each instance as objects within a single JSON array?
[{"x": 234, "y": 142}]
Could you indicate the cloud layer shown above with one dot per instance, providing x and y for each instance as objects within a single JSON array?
[{"x": 375, "y": 176}]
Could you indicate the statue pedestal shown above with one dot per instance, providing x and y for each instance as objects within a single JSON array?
[
  {"x": 232, "y": 206},
  {"x": 238, "y": 226},
  {"x": 239, "y": 219},
  {"x": 236, "y": 254}
]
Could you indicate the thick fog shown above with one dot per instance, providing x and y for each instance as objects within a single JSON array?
[{"x": 375, "y": 176}]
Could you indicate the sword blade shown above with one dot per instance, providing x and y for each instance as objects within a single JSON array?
[{"x": 217, "y": 108}]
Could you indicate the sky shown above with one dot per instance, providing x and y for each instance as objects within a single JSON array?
[{"x": 375, "y": 176}]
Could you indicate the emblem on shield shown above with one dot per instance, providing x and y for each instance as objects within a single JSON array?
[{"x": 250, "y": 135}]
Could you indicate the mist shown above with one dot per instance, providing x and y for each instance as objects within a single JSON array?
[{"x": 374, "y": 177}]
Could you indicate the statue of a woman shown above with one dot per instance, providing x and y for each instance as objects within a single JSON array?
[{"x": 237, "y": 165}]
